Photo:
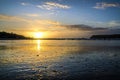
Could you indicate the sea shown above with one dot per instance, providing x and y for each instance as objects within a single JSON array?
[{"x": 59, "y": 59}]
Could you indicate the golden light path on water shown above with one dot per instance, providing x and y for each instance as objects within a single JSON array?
[
  {"x": 38, "y": 44},
  {"x": 35, "y": 51}
]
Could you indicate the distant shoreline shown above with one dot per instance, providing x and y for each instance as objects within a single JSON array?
[
  {"x": 49, "y": 39},
  {"x": 13, "y": 36},
  {"x": 60, "y": 39}
]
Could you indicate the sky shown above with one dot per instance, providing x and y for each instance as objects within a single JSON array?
[{"x": 60, "y": 18}]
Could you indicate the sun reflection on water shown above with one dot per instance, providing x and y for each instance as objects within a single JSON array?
[{"x": 38, "y": 44}]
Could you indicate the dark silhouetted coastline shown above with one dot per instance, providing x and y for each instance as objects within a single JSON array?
[
  {"x": 14, "y": 36},
  {"x": 11, "y": 36},
  {"x": 106, "y": 37}
]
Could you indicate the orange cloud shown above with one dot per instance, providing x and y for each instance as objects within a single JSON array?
[{"x": 21, "y": 22}]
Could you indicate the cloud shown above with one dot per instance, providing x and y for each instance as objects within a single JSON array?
[
  {"x": 33, "y": 23},
  {"x": 106, "y": 24},
  {"x": 104, "y": 5},
  {"x": 24, "y": 4},
  {"x": 32, "y": 15},
  {"x": 89, "y": 30},
  {"x": 114, "y": 24},
  {"x": 48, "y": 23},
  {"x": 109, "y": 24},
  {"x": 44, "y": 23},
  {"x": 83, "y": 27},
  {"x": 107, "y": 31},
  {"x": 11, "y": 18},
  {"x": 53, "y": 5}
]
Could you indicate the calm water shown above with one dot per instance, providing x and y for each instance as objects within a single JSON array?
[{"x": 59, "y": 60}]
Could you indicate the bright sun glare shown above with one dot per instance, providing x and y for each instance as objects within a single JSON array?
[{"x": 38, "y": 35}]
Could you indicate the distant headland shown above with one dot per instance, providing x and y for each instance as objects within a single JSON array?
[
  {"x": 13, "y": 36},
  {"x": 106, "y": 37}
]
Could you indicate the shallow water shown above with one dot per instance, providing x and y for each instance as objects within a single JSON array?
[{"x": 59, "y": 60}]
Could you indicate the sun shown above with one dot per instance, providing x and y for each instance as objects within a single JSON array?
[{"x": 38, "y": 34}]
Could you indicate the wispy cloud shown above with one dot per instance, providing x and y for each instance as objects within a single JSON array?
[
  {"x": 11, "y": 18},
  {"x": 104, "y": 5},
  {"x": 24, "y": 3},
  {"x": 53, "y": 5},
  {"x": 32, "y": 15},
  {"x": 114, "y": 24},
  {"x": 29, "y": 22},
  {"x": 106, "y": 24},
  {"x": 109, "y": 24}
]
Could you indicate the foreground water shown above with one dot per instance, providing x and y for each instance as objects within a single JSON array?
[{"x": 59, "y": 60}]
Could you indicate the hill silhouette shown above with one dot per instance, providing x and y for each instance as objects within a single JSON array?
[{"x": 6, "y": 35}]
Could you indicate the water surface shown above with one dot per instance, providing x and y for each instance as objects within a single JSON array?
[{"x": 59, "y": 60}]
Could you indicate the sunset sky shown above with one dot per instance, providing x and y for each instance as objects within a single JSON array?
[{"x": 60, "y": 18}]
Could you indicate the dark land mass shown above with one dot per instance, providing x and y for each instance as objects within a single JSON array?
[
  {"x": 106, "y": 37},
  {"x": 13, "y": 36}
]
